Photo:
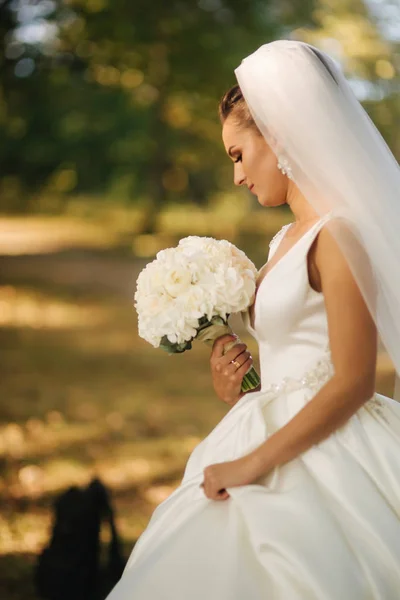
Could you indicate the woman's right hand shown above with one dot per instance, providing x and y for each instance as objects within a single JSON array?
[{"x": 226, "y": 376}]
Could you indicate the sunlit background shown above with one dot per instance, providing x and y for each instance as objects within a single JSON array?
[{"x": 110, "y": 150}]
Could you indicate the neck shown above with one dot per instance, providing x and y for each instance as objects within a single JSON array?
[{"x": 302, "y": 210}]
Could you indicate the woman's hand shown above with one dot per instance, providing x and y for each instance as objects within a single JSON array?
[
  {"x": 226, "y": 376},
  {"x": 220, "y": 476}
]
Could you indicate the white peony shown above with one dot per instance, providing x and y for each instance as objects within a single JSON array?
[{"x": 200, "y": 278}]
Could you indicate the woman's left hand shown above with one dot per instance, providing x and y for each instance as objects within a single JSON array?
[{"x": 219, "y": 476}]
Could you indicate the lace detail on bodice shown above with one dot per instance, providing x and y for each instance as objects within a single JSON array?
[
  {"x": 313, "y": 379},
  {"x": 277, "y": 237},
  {"x": 376, "y": 405}
]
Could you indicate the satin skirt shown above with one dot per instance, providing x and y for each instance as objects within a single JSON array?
[{"x": 325, "y": 526}]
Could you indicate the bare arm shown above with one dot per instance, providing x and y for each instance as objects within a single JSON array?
[{"x": 353, "y": 343}]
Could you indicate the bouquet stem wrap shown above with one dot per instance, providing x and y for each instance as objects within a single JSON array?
[{"x": 209, "y": 334}]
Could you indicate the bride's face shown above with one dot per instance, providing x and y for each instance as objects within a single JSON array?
[{"x": 255, "y": 165}]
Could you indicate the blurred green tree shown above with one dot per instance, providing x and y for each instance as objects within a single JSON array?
[{"x": 119, "y": 100}]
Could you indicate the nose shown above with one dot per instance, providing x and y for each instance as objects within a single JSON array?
[{"x": 239, "y": 177}]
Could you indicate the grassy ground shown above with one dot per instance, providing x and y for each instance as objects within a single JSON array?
[{"x": 83, "y": 395}]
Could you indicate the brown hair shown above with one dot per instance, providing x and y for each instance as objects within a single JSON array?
[{"x": 233, "y": 103}]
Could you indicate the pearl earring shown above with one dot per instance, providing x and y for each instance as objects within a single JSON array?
[{"x": 284, "y": 166}]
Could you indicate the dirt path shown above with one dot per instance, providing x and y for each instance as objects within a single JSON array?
[{"x": 83, "y": 269}]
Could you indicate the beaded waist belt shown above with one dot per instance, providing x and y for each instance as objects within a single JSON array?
[{"x": 313, "y": 379}]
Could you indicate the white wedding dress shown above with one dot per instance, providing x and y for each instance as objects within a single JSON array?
[{"x": 325, "y": 526}]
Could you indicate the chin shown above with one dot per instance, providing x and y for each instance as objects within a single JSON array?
[
  {"x": 264, "y": 201},
  {"x": 270, "y": 202}
]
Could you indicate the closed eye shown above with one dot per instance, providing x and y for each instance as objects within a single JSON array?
[{"x": 239, "y": 158}]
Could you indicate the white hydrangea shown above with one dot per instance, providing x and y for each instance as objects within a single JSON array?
[{"x": 201, "y": 277}]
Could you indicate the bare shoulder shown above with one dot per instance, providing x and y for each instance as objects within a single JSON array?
[
  {"x": 324, "y": 252},
  {"x": 352, "y": 329},
  {"x": 327, "y": 255}
]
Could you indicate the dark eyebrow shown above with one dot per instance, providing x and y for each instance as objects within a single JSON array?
[{"x": 230, "y": 150}]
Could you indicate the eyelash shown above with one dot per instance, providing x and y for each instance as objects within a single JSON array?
[{"x": 239, "y": 158}]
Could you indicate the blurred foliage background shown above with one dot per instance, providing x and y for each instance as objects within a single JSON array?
[{"x": 110, "y": 149}]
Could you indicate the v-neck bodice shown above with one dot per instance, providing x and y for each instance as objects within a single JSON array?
[
  {"x": 290, "y": 323},
  {"x": 274, "y": 244}
]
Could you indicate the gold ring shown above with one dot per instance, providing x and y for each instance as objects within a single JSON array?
[{"x": 236, "y": 363}]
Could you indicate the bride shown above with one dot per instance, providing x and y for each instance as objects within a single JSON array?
[{"x": 295, "y": 494}]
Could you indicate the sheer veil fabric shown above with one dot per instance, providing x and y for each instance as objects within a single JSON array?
[
  {"x": 325, "y": 525},
  {"x": 308, "y": 114}
]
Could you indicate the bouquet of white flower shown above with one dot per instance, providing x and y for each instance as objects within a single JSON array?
[{"x": 188, "y": 292}]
